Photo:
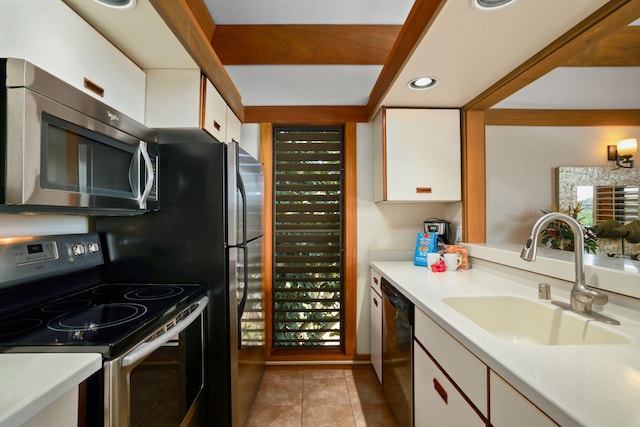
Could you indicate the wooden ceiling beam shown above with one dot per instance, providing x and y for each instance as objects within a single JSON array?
[
  {"x": 520, "y": 117},
  {"x": 293, "y": 115},
  {"x": 420, "y": 17},
  {"x": 304, "y": 44},
  {"x": 620, "y": 49},
  {"x": 607, "y": 20}
]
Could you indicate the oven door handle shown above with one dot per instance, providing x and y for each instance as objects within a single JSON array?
[{"x": 146, "y": 348}]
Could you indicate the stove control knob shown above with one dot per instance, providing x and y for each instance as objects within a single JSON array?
[
  {"x": 94, "y": 247},
  {"x": 78, "y": 249}
]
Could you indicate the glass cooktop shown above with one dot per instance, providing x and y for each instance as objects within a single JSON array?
[{"x": 107, "y": 318}]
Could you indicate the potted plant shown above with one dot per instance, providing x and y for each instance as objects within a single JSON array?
[{"x": 558, "y": 235}]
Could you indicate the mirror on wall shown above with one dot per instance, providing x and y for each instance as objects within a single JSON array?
[{"x": 609, "y": 199}]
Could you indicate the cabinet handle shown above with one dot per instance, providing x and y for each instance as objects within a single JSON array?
[
  {"x": 375, "y": 280},
  {"x": 441, "y": 391},
  {"x": 94, "y": 87},
  {"x": 375, "y": 302},
  {"x": 424, "y": 190},
  {"x": 216, "y": 125}
]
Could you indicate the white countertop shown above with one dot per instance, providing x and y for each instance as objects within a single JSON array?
[
  {"x": 588, "y": 385},
  {"x": 29, "y": 382}
]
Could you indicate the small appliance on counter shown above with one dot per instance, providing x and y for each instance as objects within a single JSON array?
[{"x": 439, "y": 226}]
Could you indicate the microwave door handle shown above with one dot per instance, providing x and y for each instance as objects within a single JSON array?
[
  {"x": 146, "y": 348},
  {"x": 148, "y": 185},
  {"x": 134, "y": 174}
]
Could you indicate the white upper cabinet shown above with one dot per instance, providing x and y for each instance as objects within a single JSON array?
[
  {"x": 183, "y": 98},
  {"x": 53, "y": 37},
  {"x": 234, "y": 127},
  {"x": 214, "y": 116},
  {"x": 417, "y": 155}
]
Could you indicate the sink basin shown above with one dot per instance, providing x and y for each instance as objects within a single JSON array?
[{"x": 525, "y": 321}]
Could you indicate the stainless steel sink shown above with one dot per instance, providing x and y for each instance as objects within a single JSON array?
[{"x": 526, "y": 321}]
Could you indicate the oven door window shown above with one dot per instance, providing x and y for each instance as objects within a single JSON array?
[
  {"x": 164, "y": 387},
  {"x": 80, "y": 161}
]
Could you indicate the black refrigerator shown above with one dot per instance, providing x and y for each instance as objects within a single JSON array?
[{"x": 208, "y": 230}]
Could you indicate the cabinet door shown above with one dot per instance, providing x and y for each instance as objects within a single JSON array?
[
  {"x": 420, "y": 155},
  {"x": 376, "y": 333},
  {"x": 436, "y": 401},
  {"x": 215, "y": 112},
  {"x": 510, "y": 408},
  {"x": 173, "y": 98},
  {"x": 53, "y": 37},
  {"x": 465, "y": 369},
  {"x": 234, "y": 127}
]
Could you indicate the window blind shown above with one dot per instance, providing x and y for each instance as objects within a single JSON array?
[
  {"x": 616, "y": 202},
  {"x": 308, "y": 286}
]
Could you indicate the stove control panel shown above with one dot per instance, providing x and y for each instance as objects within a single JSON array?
[
  {"x": 29, "y": 258},
  {"x": 37, "y": 251}
]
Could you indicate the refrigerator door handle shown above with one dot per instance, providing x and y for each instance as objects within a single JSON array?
[
  {"x": 245, "y": 281},
  {"x": 243, "y": 246},
  {"x": 243, "y": 196}
]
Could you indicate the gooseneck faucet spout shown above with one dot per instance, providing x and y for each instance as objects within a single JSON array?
[{"x": 582, "y": 297}]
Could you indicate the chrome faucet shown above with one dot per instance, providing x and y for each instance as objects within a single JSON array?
[{"x": 582, "y": 297}]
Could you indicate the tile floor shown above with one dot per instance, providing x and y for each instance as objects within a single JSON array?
[{"x": 320, "y": 397}]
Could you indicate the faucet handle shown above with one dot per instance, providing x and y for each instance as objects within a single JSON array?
[{"x": 592, "y": 296}]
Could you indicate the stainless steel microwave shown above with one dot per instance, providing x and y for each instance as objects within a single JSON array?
[{"x": 65, "y": 151}]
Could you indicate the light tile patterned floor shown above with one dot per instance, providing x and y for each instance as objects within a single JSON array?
[{"x": 320, "y": 397}]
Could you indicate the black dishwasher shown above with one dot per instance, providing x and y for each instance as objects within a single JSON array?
[{"x": 397, "y": 341}]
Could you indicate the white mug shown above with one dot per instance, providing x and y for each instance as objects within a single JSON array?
[
  {"x": 432, "y": 258},
  {"x": 452, "y": 261}
]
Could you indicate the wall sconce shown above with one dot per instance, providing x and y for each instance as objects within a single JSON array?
[{"x": 623, "y": 152}]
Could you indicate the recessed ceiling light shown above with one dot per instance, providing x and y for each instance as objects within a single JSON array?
[
  {"x": 118, "y": 4},
  {"x": 421, "y": 83},
  {"x": 490, "y": 4}
]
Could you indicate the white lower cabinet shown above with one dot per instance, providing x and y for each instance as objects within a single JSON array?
[
  {"x": 510, "y": 408},
  {"x": 61, "y": 413},
  {"x": 376, "y": 324},
  {"x": 462, "y": 366},
  {"x": 436, "y": 401}
]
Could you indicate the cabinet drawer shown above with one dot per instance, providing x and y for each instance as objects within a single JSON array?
[
  {"x": 466, "y": 370},
  {"x": 376, "y": 280},
  {"x": 437, "y": 401},
  {"x": 509, "y": 407}
]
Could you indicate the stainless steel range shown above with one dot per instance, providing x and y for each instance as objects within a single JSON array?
[{"x": 150, "y": 336}]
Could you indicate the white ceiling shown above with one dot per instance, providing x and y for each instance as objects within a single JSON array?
[
  {"x": 468, "y": 50},
  {"x": 259, "y": 12},
  {"x": 282, "y": 85},
  {"x": 580, "y": 88}
]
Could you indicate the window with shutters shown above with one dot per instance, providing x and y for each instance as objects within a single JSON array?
[
  {"x": 616, "y": 202},
  {"x": 308, "y": 289}
]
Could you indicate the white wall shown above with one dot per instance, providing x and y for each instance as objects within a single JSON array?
[
  {"x": 384, "y": 226},
  {"x": 12, "y": 225},
  {"x": 521, "y": 164}
]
